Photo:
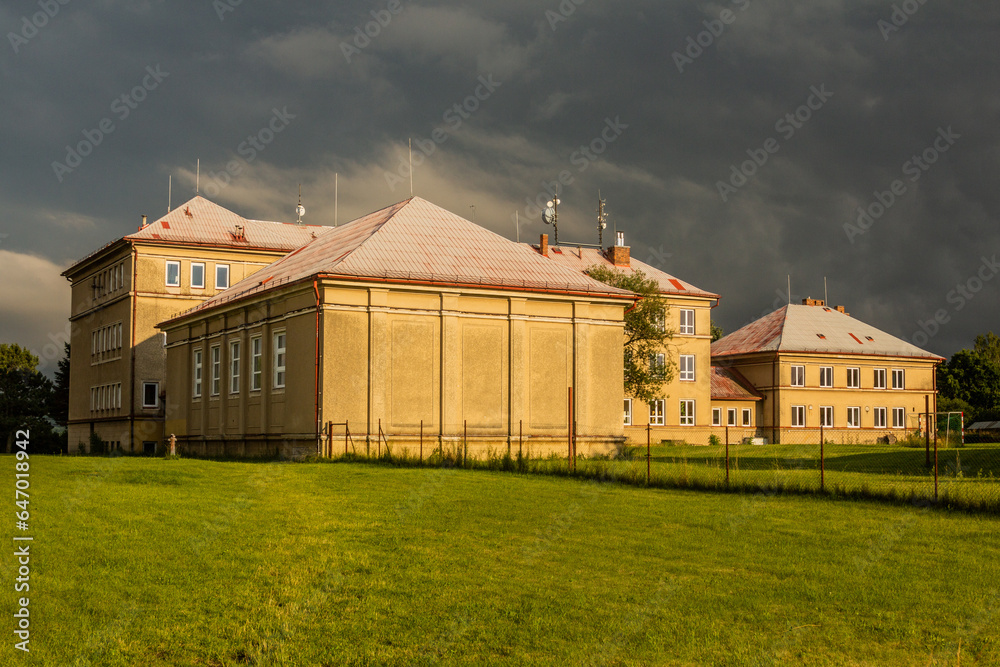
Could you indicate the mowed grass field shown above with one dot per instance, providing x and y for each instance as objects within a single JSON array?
[{"x": 183, "y": 562}]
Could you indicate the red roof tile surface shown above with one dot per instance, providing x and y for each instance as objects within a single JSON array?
[
  {"x": 819, "y": 329},
  {"x": 729, "y": 384},
  {"x": 417, "y": 241},
  {"x": 581, "y": 259}
]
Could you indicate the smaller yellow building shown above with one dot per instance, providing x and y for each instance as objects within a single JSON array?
[
  {"x": 817, "y": 367},
  {"x": 409, "y": 321}
]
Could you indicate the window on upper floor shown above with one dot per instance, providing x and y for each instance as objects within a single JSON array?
[
  {"x": 173, "y": 277},
  {"x": 221, "y": 276},
  {"x": 279, "y": 360},
  {"x": 878, "y": 381},
  {"x": 898, "y": 378},
  {"x": 687, "y": 322},
  {"x": 826, "y": 376},
  {"x": 197, "y": 275},
  {"x": 798, "y": 376},
  {"x": 854, "y": 378},
  {"x": 687, "y": 367}
]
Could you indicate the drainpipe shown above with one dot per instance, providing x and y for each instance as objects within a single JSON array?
[
  {"x": 316, "y": 379},
  {"x": 131, "y": 387}
]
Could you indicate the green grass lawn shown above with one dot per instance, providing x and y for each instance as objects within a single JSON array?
[{"x": 182, "y": 562}]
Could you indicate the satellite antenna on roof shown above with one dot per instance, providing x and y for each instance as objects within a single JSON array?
[
  {"x": 170, "y": 186},
  {"x": 550, "y": 216},
  {"x": 336, "y": 196},
  {"x": 197, "y": 177},
  {"x": 473, "y": 207},
  {"x": 602, "y": 219},
  {"x": 826, "y": 296},
  {"x": 300, "y": 210}
]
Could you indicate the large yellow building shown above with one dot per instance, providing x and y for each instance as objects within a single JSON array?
[
  {"x": 120, "y": 292},
  {"x": 818, "y": 367},
  {"x": 409, "y": 320}
]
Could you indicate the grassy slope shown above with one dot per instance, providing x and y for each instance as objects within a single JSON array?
[{"x": 142, "y": 561}]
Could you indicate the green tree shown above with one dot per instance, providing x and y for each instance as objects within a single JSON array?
[
  {"x": 988, "y": 346},
  {"x": 646, "y": 333},
  {"x": 59, "y": 404},
  {"x": 25, "y": 396},
  {"x": 974, "y": 378},
  {"x": 717, "y": 332}
]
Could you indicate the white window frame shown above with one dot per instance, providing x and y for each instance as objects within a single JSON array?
[
  {"x": 627, "y": 417},
  {"x": 218, "y": 283},
  {"x": 657, "y": 362},
  {"x": 899, "y": 417},
  {"x": 256, "y": 362},
  {"x": 878, "y": 379},
  {"x": 215, "y": 360},
  {"x": 660, "y": 319},
  {"x": 196, "y": 373},
  {"x": 901, "y": 374},
  {"x": 854, "y": 378},
  {"x": 826, "y": 376},
  {"x": 801, "y": 372},
  {"x": 826, "y": 416},
  {"x": 687, "y": 374},
  {"x": 166, "y": 276},
  {"x": 234, "y": 367},
  {"x": 195, "y": 285},
  {"x": 853, "y": 414},
  {"x": 716, "y": 416},
  {"x": 279, "y": 363},
  {"x": 687, "y": 322},
  {"x": 798, "y": 415},
  {"x": 156, "y": 395},
  {"x": 879, "y": 417},
  {"x": 747, "y": 415},
  {"x": 731, "y": 416},
  {"x": 656, "y": 412},
  {"x": 686, "y": 411}
]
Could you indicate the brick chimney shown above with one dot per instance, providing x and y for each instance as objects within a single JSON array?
[
  {"x": 809, "y": 301},
  {"x": 841, "y": 309},
  {"x": 618, "y": 254},
  {"x": 543, "y": 245}
]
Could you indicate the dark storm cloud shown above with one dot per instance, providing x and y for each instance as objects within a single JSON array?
[{"x": 564, "y": 71}]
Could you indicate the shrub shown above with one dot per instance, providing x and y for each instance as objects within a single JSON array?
[
  {"x": 714, "y": 440},
  {"x": 97, "y": 445}
]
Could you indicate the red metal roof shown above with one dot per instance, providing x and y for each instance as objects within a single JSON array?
[
  {"x": 818, "y": 329},
  {"x": 417, "y": 241},
  {"x": 581, "y": 259},
  {"x": 729, "y": 384}
]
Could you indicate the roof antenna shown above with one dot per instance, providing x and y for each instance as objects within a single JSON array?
[
  {"x": 789, "y": 289},
  {"x": 517, "y": 225},
  {"x": 411, "y": 167},
  {"x": 602, "y": 220},
  {"x": 336, "y": 196},
  {"x": 826, "y": 298},
  {"x": 197, "y": 178},
  {"x": 300, "y": 210},
  {"x": 473, "y": 207},
  {"x": 170, "y": 188}
]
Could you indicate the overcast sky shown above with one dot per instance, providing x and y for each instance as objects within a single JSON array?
[{"x": 662, "y": 106}]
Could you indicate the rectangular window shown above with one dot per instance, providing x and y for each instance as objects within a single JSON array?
[
  {"x": 826, "y": 415},
  {"x": 197, "y": 374},
  {"x": 826, "y": 376},
  {"x": 716, "y": 416},
  {"x": 879, "y": 417},
  {"x": 279, "y": 360},
  {"x": 118, "y": 395},
  {"x": 747, "y": 417},
  {"x": 798, "y": 376},
  {"x": 898, "y": 378},
  {"x": 216, "y": 369},
  {"x": 687, "y": 412},
  {"x": 221, "y": 276},
  {"x": 656, "y": 412},
  {"x": 879, "y": 381},
  {"x": 660, "y": 319},
  {"x": 898, "y": 417},
  {"x": 173, "y": 274},
  {"x": 197, "y": 275},
  {"x": 798, "y": 415},
  {"x": 255, "y": 363},
  {"x": 657, "y": 363},
  {"x": 687, "y": 367},
  {"x": 854, "y": 378},
  {"x": 234, "y": 367},
  {"x": 150, "y": 394},
  {"x": 628, "y": 412},
  {"x": 93, "y": 399},
  {"x": 687, "y": 322},
  {"x": 731, "y": 417},
  {"x": 854, "y": 417},
  {"x": 93, "y": 342}
]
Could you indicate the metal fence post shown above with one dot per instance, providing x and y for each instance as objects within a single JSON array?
[
  {"x": 935, "y": 464},
  {"x": 727, "y": 456},
  {"x": 927, "y": 428},
  {"x": 822, "y": 461},
  {"x": 520, "y": 438},
  {"x": 648, "y": 465},
  {"x": 421, "y": 440},
  {"x": 465, "y": 442}
]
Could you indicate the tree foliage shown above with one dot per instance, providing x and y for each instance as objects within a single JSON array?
[
  {"x": 973, "y": 378},
  {"x": 646, "y": 333},
  {"x": 25, "y": 395},
  {"x": 59, "y": 403},
  {"x": 717, "y": 332}
]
